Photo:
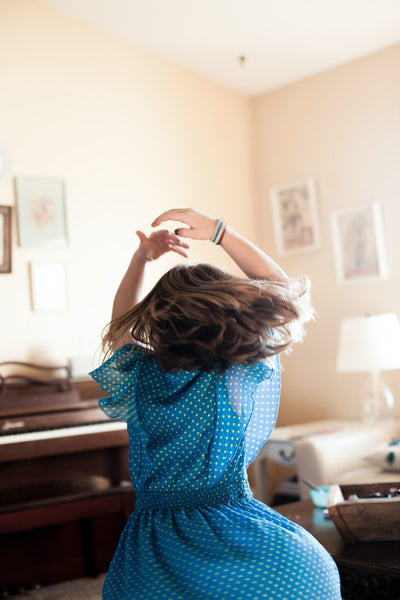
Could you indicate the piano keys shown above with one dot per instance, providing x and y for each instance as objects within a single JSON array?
[
  {"x": 49, "y": 442},
  {"x": 52, "y": 429}
]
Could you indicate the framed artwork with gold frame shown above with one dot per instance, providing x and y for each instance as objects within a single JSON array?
[{"x": 5, "y": 239}]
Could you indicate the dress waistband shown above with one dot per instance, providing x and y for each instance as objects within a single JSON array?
[{"x": 222, "y": 493}]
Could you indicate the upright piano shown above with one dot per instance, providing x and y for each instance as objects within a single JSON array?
[{"x": 64, "y": 483}]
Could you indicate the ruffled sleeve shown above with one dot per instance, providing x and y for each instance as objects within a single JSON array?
[
  {"x": 254, "y": 394},
  {"x": 118, "y": 378}
]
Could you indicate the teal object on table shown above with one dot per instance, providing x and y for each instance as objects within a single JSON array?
[{"x": 319, "y": 496}]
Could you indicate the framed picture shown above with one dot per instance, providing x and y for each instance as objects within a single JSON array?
[
  {"x": 358, "y": 243},
  {"x": 5, "y": 239},
  {"x": 41, "y": 212},
  {"x": 295, "y": 218},
  {"x": 48, "y": 286}
]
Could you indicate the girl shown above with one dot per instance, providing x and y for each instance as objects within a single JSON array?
[{"x": 195, "y": 374}]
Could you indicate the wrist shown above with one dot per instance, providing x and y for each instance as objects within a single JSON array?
[{"x": 140, "y": 256}]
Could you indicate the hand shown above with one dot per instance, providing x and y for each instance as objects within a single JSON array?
[
  {"x": 201, "y": 226},
  {"x": 158, "y": 243}
]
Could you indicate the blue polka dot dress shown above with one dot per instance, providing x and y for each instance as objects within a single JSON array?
[{"x": 196, "y": 532}]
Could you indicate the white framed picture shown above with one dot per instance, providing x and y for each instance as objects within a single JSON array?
[
  {"x": 48, "y": 286},
  {"x": 358, "y": 243},
  {"x": 295, "y": 216},
  {"x": 41, "y": 212}
]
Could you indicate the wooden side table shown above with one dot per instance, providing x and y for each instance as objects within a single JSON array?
[{"x": 368, "y": 570}]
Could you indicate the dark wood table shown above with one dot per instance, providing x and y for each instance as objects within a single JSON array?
[{"x": 368, "y": 570}]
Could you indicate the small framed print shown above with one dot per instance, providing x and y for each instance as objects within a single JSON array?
[
  {"x": 358, "y": 243},
  {"x": 41, "y": 212},
  {"x": 5, "y": 239},
  {"x": 48, "y": 286},
  {"x": 295, "y": 216}
]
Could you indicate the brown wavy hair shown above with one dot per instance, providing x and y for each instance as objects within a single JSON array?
[{"x": 198, "y": 317}]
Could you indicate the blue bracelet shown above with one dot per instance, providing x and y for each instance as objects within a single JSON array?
[{"x": 218, "y": 228}]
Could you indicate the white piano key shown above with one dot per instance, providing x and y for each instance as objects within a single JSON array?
[{"x": 50, "y": 434}]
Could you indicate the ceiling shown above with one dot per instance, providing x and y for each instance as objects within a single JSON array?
[{"x": 281, "y": 40}]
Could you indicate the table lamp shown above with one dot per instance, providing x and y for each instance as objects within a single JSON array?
[{"x": 371, "y": 344}]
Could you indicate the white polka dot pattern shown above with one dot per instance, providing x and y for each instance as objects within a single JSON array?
[{"x": 196, "y": 532}]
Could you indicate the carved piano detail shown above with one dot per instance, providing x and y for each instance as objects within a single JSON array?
[{"x": 63, "y": 463}]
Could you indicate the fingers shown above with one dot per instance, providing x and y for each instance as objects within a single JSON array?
[
  {"x": 174, "y": 214},
  {"x": 200, "y": 225},
  {"x": 170, "y": 238},
  {"x": 185, "y": 215},
  {"x": 179, "y": 250},
  {"x": 181, "y": 244},
  {"x": 160, "y": 242},
  {"x": 142, "y": 236},
  {"x": 176, "y": 245},
  {"x": 184, "y": 232}
]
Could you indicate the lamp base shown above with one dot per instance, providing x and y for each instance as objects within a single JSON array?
[{"x": 378, "y": 404}]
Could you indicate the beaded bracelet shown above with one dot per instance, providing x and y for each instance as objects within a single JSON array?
[{"x": 218, "y": 231}]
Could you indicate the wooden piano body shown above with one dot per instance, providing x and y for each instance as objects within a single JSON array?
[{"x": 64, "y": 482}]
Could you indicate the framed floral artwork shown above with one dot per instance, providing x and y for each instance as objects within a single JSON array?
[
  {"x": 358, "y": 243},
  {"x": 295, "y": 218},
  {"x": 5, "y": 239},
  {"x": 41, "y": 212}
]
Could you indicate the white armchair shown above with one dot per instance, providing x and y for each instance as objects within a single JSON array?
[{"x": 338, "y": 457}]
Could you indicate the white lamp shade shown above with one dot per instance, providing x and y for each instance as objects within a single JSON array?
[{"x": 369, "y": 343}]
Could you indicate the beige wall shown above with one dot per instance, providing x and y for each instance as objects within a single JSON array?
[
  {"x": 132, "y": 135},
  {"x": 341, "y": 127}
]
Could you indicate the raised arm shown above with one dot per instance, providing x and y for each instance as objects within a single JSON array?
[
  {"x": 255, "y": 263},
  {"x": 150, "y": 248}
]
